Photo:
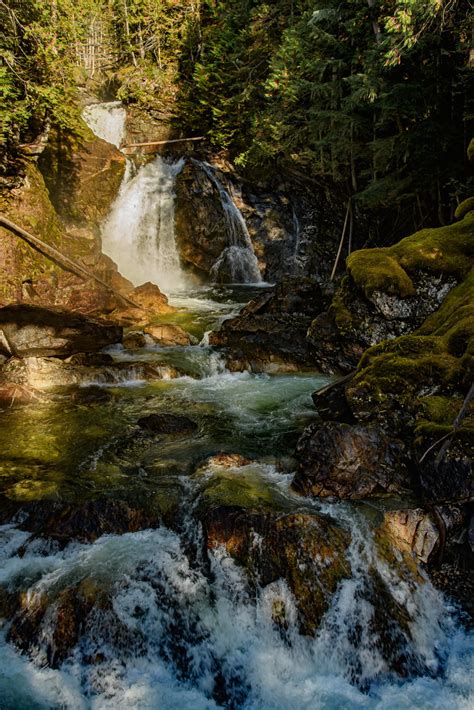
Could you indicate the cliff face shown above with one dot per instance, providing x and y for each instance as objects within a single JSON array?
[
  {"x": 403, "y": 421},
  {"x": 62, "y": 201}
]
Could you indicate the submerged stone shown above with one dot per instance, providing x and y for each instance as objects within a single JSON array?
[{"x": 168, "y": 423}]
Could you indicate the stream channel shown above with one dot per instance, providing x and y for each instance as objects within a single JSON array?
[{"x": 168, "y": 619}]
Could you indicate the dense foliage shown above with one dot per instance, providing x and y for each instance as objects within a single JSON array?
[
  {"x": 370, "y": 94},
  {"x": 373, "y": 94}
]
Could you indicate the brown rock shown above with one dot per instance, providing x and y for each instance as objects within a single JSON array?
[
  {"x": 149, "y": 297},
  {"x": 349, "y": 461},
  {"x": 168, "y": 334},
  {"x": 134, "y": 341},
  {"x": 224, "y": 460},
  {"x": 307, "y": 551},
  {"x": 412, "y": 531},
  {"x": 34, "y": 373},
  {"x": 28, "y": 330}
]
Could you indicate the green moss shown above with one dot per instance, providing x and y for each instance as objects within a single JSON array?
[
  {"x": 464, "y": 208},
  {"x": 470, "y": 150},
  {"x": 442, "y": 250},
  {"x": 339, "y": 309},
  {"x": 439, "y": 356},
  {"x": 376, "y": 270}
]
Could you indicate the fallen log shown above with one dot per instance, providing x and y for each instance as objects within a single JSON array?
[
  {"x": 58, "y": 258},
  {"x": 130, "y": 146}
]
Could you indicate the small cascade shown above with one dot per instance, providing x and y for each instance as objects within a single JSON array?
[
  {"x": 107, "y": 121},
  {"x": 139, "y": 231},
  {"x": 237, "y": 261}
]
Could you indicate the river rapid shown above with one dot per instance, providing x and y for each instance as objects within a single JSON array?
[
  {"x": 162, "y": 619},
  {"x": 182, "y": 620}
]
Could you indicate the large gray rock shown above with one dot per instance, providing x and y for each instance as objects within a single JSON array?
[{"x": 33, "y": 331}]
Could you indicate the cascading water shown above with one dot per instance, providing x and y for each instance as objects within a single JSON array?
[
  {"x": 107, "y": 121},
  {"x": 237, "y": 261},
  {"x": 153, "y": 618},
  {"x": 139, "y": 231}
]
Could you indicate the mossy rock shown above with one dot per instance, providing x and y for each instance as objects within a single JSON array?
[
  {"x": 439, "y": 358},
  {"x": 464, "y": 208},
  {"x": 470, "y": 150},
  {"x": 447, "y": 250}
]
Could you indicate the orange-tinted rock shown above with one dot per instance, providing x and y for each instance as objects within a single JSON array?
[
  {"x": 307, "y": 551},
  {"x": 168, "y": 334},
  {"x": 149, "y": 297}
]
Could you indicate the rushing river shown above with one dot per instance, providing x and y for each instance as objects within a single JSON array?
[
  {"x": 152, "y": 616},
  {"x": 178, "y": 623}
]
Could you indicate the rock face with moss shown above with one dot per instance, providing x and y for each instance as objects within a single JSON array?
[
  {"x": 63, "y": 207},
  {"x": 411, "y": 387},
  {"x": 390, "y": 292}
]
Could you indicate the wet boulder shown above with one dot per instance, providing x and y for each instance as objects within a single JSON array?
[
  {"x": 270, "y": 332},
  {"x": 167, "y": 423},
  {"x": 47, "y": 373},
  {"x": 134, "y": 340},
  {"x": 350, "y": 461},
  {"x": 86, "y": 522},
  {"x": 33, "y": 331},
  {"x": 149, "y": 297},
  {"x": 306, "y": 551},
  {"x": 168, "y": 334}
]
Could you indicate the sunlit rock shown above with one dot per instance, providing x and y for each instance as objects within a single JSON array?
[{"x": 29, "y": 330}]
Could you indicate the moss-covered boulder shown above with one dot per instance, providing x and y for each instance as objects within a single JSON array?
[
  {"x": 390, "y": 292},
  {"x": 413, "y": 386}
]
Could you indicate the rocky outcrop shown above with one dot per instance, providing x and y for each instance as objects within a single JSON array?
[
  {"x": 26, "y": 275},
  {"x": 409, "y": 387},
  {"x": 47, "y": 373},
  {"x": 350, "y": 461},
  {"x": 270, "y": 332},
  {"x": 390, "y": 292},
  {"x": 33, "y": 331},
  {"x": 293, "y": 227},
  {"x": 83, "y": 179}
]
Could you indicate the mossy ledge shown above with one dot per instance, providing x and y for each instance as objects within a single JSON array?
[
  {"x": 446, "y": 250},
  {"x": 417, "y": 382}
]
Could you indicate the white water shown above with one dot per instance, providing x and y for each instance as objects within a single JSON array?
[
  {"x": 237, "y": 261},
  {"x": 139, "y": 231},
  {"x": 107, "y": 121},
  {"x": 170, "y": 629}
]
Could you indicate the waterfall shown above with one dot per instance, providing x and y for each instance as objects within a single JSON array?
[
  {"x": 139, "y": 231},
  {"x": 107, "y": 121},
  {"x": 238, "y": 260}
]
